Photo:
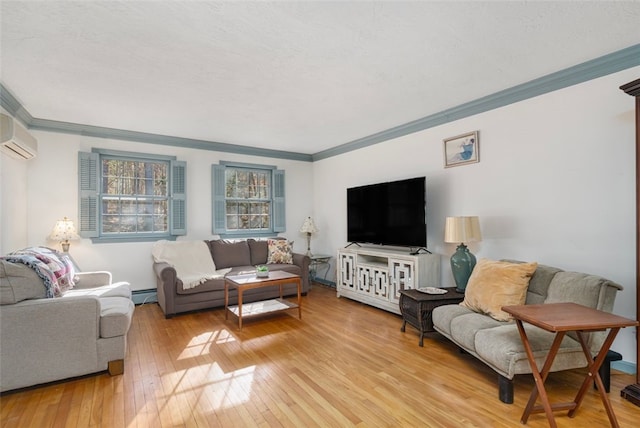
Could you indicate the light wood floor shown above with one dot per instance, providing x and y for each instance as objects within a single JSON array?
[{"x": 344, "y": 364}]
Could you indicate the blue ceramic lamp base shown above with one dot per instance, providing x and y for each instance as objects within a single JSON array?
[{"x": 462, "y": 263}]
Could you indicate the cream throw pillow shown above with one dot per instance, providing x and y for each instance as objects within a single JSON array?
[{"x": 495, "y": 284}]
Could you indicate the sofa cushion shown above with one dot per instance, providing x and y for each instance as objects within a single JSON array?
[
  {"x": 115, "y": 316},
  {"x": 228, "y": 254},
  {"x": 442, "y": 316},
  {"x": 464, "y": 328},
  {"x": 502, "y": 349},
  {"x": 494, "y": 284},
  {"x": 19, "y": 282},
  {"x": 279, "y": 251},
  {"x": 539, "y": 284},
  {"x": 575, "y": 287},
  {"x": 580, "y": 288},
  {"x": 210, "y": 285},
  {"x": 259, "y": 251},
  {"x": 286, "y": 267}
]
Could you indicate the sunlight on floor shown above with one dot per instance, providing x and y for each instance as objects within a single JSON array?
[
  {"x": 193, "y": 385},
  {"x": 200, "y": 345},
  {"x": 212, "y": 387},
  {"x": 199, "y": 389}
]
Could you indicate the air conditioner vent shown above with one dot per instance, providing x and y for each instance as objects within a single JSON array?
[{"x": 15, "y": 140}]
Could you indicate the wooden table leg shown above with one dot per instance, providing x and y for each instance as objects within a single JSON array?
[
  {"x": 593, "y": 374},
  {"x": 226, "y": 300},
  {"x": 420, "y": 323},
  {"x": 299, "y": 298},
  {"x": 240, "y": 308},
  {"x": 539, "y": 376}
]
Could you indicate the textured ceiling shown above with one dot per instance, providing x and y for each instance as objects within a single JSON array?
[{"x": 294, "y": 76}]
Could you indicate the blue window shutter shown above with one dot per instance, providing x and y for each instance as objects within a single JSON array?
[
  {"x": 219, "y": 225},
  {"x": 279, "y": 217},
  {"x": 88, "y": 187},
  {"x": 178, "y": 204}
]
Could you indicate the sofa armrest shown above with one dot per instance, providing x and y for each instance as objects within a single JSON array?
[
  {"x": 303, "y": 261},
  {"x": 67, "y": 328},
  {"x": 167, "y": 287},
  {"x": 92, "y": 279}
]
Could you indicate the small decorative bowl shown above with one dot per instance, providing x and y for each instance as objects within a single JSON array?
[{"x": 262, "y": 272}]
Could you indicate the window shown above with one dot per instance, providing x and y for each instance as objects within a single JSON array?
[
  {"x": 130, "y": 196},
  {"x": 247, "y": 200}
]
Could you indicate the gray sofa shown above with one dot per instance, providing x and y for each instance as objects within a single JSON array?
[
  {"x": 498, "y": 343},
  {"x": 49, "y": 339},
  {"x": 241, "y": 257}
]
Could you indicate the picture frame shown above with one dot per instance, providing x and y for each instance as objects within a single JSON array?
[{"x": 462, "y": 149}]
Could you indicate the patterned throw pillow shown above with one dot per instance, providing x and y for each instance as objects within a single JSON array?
[{"x": 279, "y": 252}]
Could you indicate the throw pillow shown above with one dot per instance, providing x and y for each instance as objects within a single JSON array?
[
  {"x": 19, "y": 282},
  {"x": 495, "y": 284},
  {"x": 279, "y": 252},
  {"x": 228, "y": 254},
  {"x": 259, "y": 251}
]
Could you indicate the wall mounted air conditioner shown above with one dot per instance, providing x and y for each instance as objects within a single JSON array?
[{"x": 15, "y": 140}]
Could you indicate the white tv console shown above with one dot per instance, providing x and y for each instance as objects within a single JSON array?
[{"x": 375, "y": 276}]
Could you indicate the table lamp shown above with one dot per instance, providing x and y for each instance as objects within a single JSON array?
[
  {"x": 64, "y": 231},
  {"x": 309, "y": 228},
  {"x": 461, "y": 230}
]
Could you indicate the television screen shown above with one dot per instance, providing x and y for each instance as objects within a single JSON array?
[{"x": 392, "y": 213}]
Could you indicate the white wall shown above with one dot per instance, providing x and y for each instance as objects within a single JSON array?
[
  {"x": 13, "y": 203},
  {"x": 555, "y": 184},
  {"x": 52, "y": 190}
]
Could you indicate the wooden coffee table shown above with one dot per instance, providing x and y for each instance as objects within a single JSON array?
[
  {"x": 251, "y": 281},
  {"x": 561, "y": 318}
]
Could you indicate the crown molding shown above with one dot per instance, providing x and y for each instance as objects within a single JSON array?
[
  {"x": 602, "y": 66},
  {"x": 13, "y": 106}
]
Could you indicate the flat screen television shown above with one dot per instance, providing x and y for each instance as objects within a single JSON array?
[{"x": 392, "y": 213}]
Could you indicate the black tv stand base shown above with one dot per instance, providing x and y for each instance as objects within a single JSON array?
[{"x": 418, "y": 251}]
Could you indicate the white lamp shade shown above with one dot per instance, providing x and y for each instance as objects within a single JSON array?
[
  {"x": 462, "y": 229},
  {"x": 308, "y": 226},
  {"x": 64, "y": 230}
]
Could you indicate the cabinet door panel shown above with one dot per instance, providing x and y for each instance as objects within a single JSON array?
[
  {"x": 347, "y": 272},
  {"x": 402, "y": 277},
  {"x": 364, "y": 280},
  {"x": 381, "y": 281}
]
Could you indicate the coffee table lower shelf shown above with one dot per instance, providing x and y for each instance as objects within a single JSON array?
[{"x": 262, "y": 307}]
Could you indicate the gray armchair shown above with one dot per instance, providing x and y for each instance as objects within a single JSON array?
[{"x": 48, "y": 339}]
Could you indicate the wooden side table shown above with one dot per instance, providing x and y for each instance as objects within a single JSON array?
[
  {"x": 562, "y": 318},
  {"x": 416, "y": 308}
]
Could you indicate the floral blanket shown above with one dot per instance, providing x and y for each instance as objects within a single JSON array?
[{"x": 55, "y": 268}]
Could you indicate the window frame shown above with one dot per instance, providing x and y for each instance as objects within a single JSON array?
[
  {"x": 91, "y": 197},
  {"x": 219, "y": 200}
]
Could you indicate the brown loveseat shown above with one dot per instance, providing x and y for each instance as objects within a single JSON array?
[{"x": 240, "y": 257}]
